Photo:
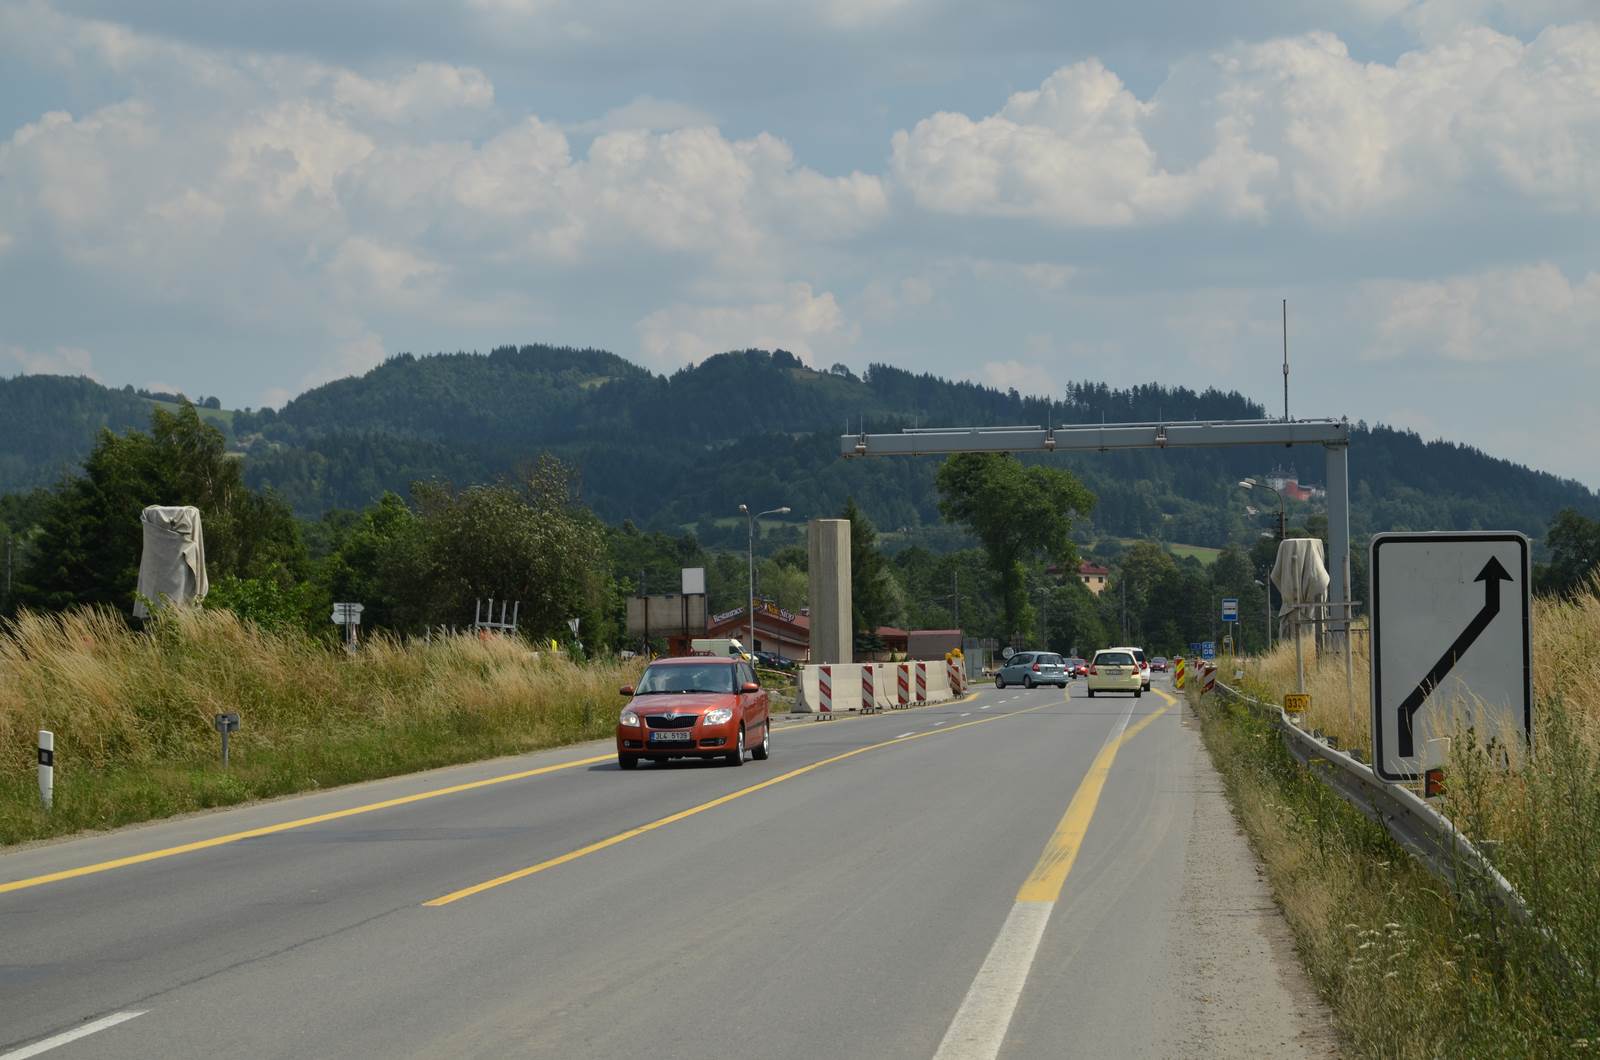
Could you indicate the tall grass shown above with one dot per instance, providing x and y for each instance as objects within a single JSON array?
[
  {"x": 132, "y": 712},
  {"x": 1411, "y": 968}
]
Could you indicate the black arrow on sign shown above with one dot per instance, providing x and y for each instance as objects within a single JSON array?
[{"x": 1491, "y": 576}]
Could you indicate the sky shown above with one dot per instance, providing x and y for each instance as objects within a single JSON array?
[{"x": 248, "y": 198}]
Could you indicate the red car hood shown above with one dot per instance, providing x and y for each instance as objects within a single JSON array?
[{"x": 682, "y": 702}]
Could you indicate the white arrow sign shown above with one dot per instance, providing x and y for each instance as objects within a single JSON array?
[{"x": 1451, "y": 644}]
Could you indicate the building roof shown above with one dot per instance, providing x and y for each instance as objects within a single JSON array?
[{"x": 1092, "y": 568}]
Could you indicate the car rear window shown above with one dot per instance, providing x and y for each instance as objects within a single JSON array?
[
  {"x": 1137, "y": 654},
  {"x": 1113, "y": 658},
  {"x": 1050, "y": 660}
]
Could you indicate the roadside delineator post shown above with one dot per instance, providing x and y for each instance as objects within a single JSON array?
[
  {"x": 825, "y": 690},
  {"x": 47, "y": 767},
  {"x": 903, "y": 682},
  {"x": 1177, "y": 675},
  {"x": 1210, "y": 679},
  {"x": 922, "y": 682},
  {"x": 869, "y": 690}
]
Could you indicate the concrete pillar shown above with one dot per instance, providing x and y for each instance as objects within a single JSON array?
[{"x": 832, "y": 639}]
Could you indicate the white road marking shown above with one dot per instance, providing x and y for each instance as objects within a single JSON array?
[
  {"x": 986, "y": 706},
  {"x": 937, "y": 724},
  {"x": 903, "y": 735},
  {"x": 968, "y": 714},
  {"x": 94, "y": 1027},
  {"x": 980, "y": 1024}
]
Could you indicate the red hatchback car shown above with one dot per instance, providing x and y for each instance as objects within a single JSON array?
[{"x": 700, "y": 706}]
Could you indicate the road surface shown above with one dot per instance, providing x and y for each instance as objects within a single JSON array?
[{"x": 1021, "y": 874}]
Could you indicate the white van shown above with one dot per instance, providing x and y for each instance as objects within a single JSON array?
[{"x": 729, "y": 646}]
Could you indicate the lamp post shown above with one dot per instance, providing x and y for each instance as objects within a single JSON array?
[
  {"x": 1252, "y": 484},
  {"x": 750, "y": 556}
]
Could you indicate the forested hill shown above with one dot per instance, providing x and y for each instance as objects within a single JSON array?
[{"x": 760, "y": 427}]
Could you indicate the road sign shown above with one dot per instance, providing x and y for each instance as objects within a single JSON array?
[
  {"x": 1450, "y": 643},
  {"x": 347, "y": 614},
  {"x": 1208, "y": 649},
  {"x": 1230, "y": 609},
  {"x": 1296, "y": 702}
]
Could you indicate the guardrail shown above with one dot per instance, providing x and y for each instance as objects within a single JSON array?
[{"x": 1425, "y": 833}]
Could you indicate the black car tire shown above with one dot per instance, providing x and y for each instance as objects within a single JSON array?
[
  {"x": 1027, "y": 682},
  {"x": 627, "y": 761},
  {"x": 735, "y": 757},
  {"x": 1091, "y": 693},
  {"x": 1138, "y": 694},
  {"x": 761, "y": 750},
  {"x": 999, "y": 682}
]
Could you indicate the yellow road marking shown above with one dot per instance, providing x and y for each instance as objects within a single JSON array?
[
  {"x": 1045, "y": 881},
  {"x": 271, "y": 829},
  {"x": 633, "y": 833}
]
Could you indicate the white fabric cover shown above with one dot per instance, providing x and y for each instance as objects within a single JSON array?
[
  {"x": 173, "y": 564},
  {"x": 1301, "y": 575}
]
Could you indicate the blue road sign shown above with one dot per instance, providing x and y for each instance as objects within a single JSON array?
[
  {"x": 1208, "y": 649},
  {"x": 1230, "y": 609}
]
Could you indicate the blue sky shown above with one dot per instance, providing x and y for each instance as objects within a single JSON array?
[{"x": 249, "y": 198}]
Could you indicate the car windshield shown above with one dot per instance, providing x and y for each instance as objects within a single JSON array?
[
  {"x": 682, "y": 677},
  {"x": 1113, "y": 658}
]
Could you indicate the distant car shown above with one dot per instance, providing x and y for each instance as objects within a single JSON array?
[
  {"x": 773, "y": 661},
  {"x": 1115, "y": 670},
  {"x": 1077, "y": 667},
  {"x": 1030, "y": 668},
  {"x": 1158, "y": 665},
  {"x": 699, "y": 706},
  {"x": 1141, "y": 661}
]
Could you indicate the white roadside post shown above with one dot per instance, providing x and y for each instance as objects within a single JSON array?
[{"x": 47, "y": 766}]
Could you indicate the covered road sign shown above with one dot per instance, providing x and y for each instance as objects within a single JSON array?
[{"x": 1451, "y": 644}]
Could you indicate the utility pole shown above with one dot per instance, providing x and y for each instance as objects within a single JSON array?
[
  {"x": 1285, "y": 360},
  {"x": 955, "y": 595}
]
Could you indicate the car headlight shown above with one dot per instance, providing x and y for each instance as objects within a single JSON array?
[
  {"x": 629, "y": 720},
  {"x": 718, "y": 716}
]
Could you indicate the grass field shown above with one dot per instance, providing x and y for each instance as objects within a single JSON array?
[
  {"x": 1410, "y": 968},
  {"x": 221, "y": 417},
  {"x": 132, "y": 712}
]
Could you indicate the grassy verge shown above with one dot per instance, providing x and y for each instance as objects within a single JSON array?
[
  {"x": 132, "y": 713},
  {"x": 1410, "y": 968}
]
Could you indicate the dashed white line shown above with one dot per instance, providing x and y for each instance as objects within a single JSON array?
[
  {"x": 986, "y": 706},
  {"x": 968, "y": 714},
  {"x": 903, "y": 735},
  {"x": 937, "y": 724},
  {"x": 56, "y": 1041}
]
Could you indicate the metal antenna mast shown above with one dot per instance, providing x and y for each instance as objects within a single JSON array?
[{"x": 1285, "y": 360}]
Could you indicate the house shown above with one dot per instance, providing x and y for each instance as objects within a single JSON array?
[
  {"x": 778, "y": 630},
  {"x": 1094, "y": 577}
]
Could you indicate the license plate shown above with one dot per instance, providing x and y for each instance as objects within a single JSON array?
[{"x": 670, "y": 737}]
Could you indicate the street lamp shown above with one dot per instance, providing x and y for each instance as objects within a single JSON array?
[
  {"x": 750, "y": 556},
  {"x": 1252, "y": 484}
]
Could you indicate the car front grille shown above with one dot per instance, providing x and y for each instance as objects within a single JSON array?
[{"x": 661, "y": 721}]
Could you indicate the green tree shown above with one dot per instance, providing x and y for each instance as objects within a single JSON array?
[
  {"x": 1016, "y": 513},
  {"x": 872, "y": 597},
  {"x": 1574, "y": 543},
  {"x": 90, "y": 542}
]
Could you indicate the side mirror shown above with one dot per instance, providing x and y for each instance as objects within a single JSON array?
[
  {"x": 748, "y": 687},
  {"x": 626, "y": 690}
]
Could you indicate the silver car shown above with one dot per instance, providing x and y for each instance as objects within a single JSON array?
[{"x": 1030, "y": 668}]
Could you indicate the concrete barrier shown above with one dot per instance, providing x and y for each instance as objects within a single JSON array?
[{"x": 853, "y": 686}]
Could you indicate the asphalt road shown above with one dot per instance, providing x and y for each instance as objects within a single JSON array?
[{"x": 1024, "y": 874}]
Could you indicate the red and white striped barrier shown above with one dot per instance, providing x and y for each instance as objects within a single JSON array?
[
  {"x": 903, "y": 684},
  {"x": 922, "y": 682},
  {"x": 1210, "y": 679},
  {"x": 955, "y": 676},
  {"x": 869, "y": 689},
  {"x": 825, "y": 686}
]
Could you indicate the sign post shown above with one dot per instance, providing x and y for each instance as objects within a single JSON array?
[
  {"x": 226, "y": 723},
  {"x": 1451, "y": 643},
  {"x": 347, "y": 615}
]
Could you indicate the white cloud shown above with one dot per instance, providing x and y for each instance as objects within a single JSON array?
[
  {"x": 425, "y": 92},
  {"x": 62, "y": 360},
  {"x": 647, "y": 113},
  {"x": 797, "y": 319},
  {"x": 1294, "y": 123},
  {"x": 1521, "y": 314}
]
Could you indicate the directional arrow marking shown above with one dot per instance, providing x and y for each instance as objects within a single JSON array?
[{"x": 1491, "y": 576}]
